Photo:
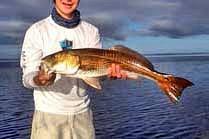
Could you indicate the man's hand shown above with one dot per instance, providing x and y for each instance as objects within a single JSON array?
[
  {"x": 115, "y": 72},
  {"x": 44, "y": 79}
]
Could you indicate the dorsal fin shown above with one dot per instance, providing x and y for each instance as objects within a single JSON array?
[{"x": 145, "y": 62}]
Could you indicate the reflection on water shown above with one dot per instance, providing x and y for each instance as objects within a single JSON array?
[{"x": 123, "y": 109}]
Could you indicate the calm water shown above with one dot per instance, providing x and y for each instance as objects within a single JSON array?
[{"x": 123, "y": 109}]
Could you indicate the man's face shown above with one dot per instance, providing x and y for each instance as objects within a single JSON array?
[{"x": 66, "y": 7}]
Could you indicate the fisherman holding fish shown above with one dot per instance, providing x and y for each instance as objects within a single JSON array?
[{"x": 61, "y": 103}]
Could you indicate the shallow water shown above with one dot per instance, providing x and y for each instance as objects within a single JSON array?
[{"x": 123, "y": 109}]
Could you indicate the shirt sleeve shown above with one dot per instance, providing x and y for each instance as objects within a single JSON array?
[
  {"x": 31, "y": 55},
  {"x": 95, "y": 41}
]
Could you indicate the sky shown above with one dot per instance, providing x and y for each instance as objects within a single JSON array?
[{"x": 148, "y": 26}]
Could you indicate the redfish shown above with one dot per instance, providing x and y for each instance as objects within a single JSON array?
[{"x": 89, "y": 64}]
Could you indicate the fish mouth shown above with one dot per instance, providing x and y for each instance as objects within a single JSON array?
[{"x": 44, "y": 67}]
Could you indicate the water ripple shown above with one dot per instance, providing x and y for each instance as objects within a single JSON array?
[{"x": 140, "y": 111}]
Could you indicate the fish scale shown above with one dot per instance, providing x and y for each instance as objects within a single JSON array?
[{"x": 107, "y": 57}]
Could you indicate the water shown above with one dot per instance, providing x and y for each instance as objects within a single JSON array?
[{"x": 123, "y": 109}]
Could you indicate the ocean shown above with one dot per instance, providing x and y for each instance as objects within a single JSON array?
[{"x": 124, "y": 109}]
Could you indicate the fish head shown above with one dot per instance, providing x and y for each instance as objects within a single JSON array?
[
  {"x": 47, "y": 65},
  {"x": 63, "y": 63}
]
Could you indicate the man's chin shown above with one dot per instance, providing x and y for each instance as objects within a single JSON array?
[{"x": 68, "y": 11}]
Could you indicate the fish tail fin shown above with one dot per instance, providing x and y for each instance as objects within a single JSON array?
[{"x": 173, "y": 86}]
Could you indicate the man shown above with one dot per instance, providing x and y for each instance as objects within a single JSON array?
[{"x": 61, "y": 104}]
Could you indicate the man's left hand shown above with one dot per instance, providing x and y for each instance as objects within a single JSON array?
[{"x": 115, "y": 72}]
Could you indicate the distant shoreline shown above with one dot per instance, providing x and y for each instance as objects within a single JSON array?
[
  {"x": 157, "y": 57},
  {"x": 178, "y": 54}
]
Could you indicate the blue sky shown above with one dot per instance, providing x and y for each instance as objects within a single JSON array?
[{"x": 149, "y": 26}]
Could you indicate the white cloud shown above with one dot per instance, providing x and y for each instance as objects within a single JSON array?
[
  {"x": 172, "y": 18},
  {"x": 11, "y": 25}
]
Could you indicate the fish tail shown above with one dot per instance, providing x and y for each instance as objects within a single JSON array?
[{"x": 173, "y": 86}]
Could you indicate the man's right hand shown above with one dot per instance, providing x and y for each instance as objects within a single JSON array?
[{"x": 44, "y": 79}]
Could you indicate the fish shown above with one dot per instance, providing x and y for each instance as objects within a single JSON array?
[{"x": 91, "y": 64}]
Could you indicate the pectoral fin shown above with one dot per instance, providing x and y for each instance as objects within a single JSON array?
[{"x": 93, "y": 82}]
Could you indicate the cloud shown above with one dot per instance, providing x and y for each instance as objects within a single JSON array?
[
  {"x": 12, "y": 31},
  {"x": 116, "y": 17},
  {"x": 17, "y": 15},
  {"x": 189, "y": 19},
  {"x": 108, "y": 27},
  {"x": 169, "y": 28},
  {"x": 174, "y": 19},
  {"x": 24, "y": 9}
]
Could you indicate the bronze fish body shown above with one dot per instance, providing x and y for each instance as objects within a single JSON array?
[{"x": 90, "y": 63}]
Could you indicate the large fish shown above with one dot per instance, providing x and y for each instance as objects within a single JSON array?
[{"x": 90, "y": 63}]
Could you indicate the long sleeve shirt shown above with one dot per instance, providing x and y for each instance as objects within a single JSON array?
[{"x": 45, "y": 37}]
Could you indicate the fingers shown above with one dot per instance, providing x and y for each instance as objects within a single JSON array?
[
  {"x": 109, "y": 72},
  {"x": 118, "y": 71},
  {"x": 44, "y": 76},
  {"x": 44, "y": 79},
  {"x": 43, "y": 82},
  {"x": 123, "y": 74},
  {"x": 114, "y": 72}
]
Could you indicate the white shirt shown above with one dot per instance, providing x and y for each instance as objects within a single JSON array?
[{"x": 66, "y": 95}]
